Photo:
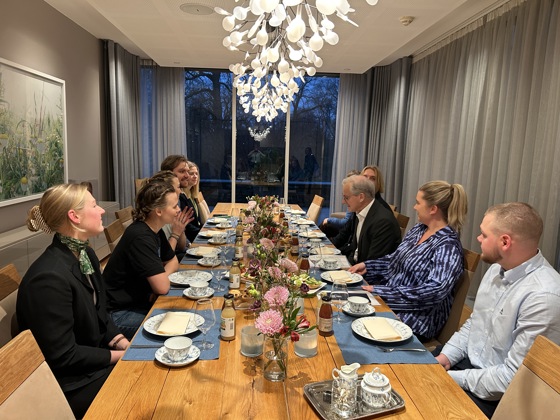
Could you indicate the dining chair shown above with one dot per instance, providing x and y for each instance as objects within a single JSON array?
[
  {"x": 139, "y": 183},
  {"x": 113, "y": 233},
  {"x": 315, "y": 208},
  {"x": 9, "y": 284},
  {"x": 460, "y": 290},
  {"x": 203, "y": 208},
  {"x": 28, "y": 388},
  {"x": 534, "y": 392},
  {"x": 125, "y": 216},
  {"x": 402, "y": 220}
]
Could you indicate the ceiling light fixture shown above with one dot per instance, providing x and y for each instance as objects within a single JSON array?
[{"x": 280, "y": 39}]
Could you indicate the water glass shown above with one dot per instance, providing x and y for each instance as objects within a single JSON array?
[
  {"x": 306, "y": 346},
  {"x": 339, "y": 296},
  {"x": 205, "y": 308}
]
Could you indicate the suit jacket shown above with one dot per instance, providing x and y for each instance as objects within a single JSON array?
[
  {"x": 380, "y": 235},
  {"x": 55, "y": 301}
]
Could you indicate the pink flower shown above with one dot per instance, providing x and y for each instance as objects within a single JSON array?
[
  {"x": 277, "y": 296},
  {"x": 275, "y": 272},
  {"x": 288, "y": 265},
  {"x": 269, "y": 322},
  {"x": 249, "y": 220},
  {"x": 251, "y": 205},
  {"x": 303, "y": 322},
  {"x": 294, "y": 336},
  {"x": 267, "y": 244}
]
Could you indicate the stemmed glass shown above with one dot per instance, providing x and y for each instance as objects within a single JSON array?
[
  {"x": 339, "y": 296},
  {"x": 205, "y": 308},
  {"x": 226, "y": 265}
]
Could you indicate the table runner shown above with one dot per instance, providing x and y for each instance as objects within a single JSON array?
[
  {"x": 357, "y": 349},
  {"x": 143, "y": 338}
]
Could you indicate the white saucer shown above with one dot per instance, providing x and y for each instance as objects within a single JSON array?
[
  {"x": 209, "y": 262},
  {"x": 161, "y": 356},
  {"x": 215, "y": 241},
  {"x": 188, "y": 293},
  {"x": 346, "y": 309}
]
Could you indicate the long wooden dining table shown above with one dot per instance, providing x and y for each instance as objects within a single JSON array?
[{"x": 233, "y": 385}]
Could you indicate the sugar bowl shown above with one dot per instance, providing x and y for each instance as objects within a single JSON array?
[{"x": 376, "y": 389}]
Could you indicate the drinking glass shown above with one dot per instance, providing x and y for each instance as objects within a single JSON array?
[
  {"x": 339, "y": 296},
  {"x": 205, "y": 308}
]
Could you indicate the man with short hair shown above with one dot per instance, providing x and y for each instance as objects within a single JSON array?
[
  {"x": 518, "y": 299},
  {"x": 373, "y": 231}
]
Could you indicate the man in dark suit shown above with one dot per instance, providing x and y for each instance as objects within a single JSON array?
[{"x": 373, "y": 231}]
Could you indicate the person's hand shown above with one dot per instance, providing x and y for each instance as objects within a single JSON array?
[
  {"x": 368, "y": 288},
  {"x": 359, "y": 268},
  {"x": 444, "y": 361},
  {"x": 324, "y": 223},
  {"x": 182, "y": 219}
]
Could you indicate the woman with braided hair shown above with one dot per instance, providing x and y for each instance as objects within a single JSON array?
[
  {"x": 140, "y": 264},
  {"x": 62, "y": 300}
]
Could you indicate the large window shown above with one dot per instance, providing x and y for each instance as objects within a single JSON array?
[{"x": 259, "y": 165}]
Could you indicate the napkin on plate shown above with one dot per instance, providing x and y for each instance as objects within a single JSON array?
[
  {"x": 203, "y": 251},
  {"x": 327, "y": 251},
  {"x": 380, "y": 329},
  {"x": 340, "y": 276},
  {"x": 175, "y": 323}
]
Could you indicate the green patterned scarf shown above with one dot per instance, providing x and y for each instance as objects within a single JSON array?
[{"x": 78, "y": 246}]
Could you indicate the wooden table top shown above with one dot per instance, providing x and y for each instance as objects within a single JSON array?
[{"x": 233, "y": 386}]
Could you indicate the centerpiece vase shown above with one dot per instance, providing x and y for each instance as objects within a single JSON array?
[{"x": 275, "y": 358}]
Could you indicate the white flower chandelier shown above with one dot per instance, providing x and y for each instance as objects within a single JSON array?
[
  {"x": 259, "y": 135},
  {"x": 280, "y": 47}
]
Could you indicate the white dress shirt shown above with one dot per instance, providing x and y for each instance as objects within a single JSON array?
[
  {"x": 361, "y": 219},
  {"x": 510, "y": 310}
]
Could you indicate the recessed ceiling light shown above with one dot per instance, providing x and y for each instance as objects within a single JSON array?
[{"x": 196, "y": 9}]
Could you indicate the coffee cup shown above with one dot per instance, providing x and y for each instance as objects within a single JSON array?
[
  {"x": 220, "y": 238},
  {"x": 330, "y": 263},
  {"x": 198, "y": 287},
  {"x": 224, "y": 225},
  {"x": 358, "y": 304},
  {"x": 177, "y": 348}
]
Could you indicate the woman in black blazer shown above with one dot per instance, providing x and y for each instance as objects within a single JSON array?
[{"x": 62, "y": 300}]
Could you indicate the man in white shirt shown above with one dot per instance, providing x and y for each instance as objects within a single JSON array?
[
  {"x": 518, "y": 299},
  {"x": 373, "y": 231}
]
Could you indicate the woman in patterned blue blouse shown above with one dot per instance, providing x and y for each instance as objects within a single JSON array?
[{"x": 417, "y": 280}]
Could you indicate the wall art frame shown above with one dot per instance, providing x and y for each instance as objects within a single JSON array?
[{"x": 33, "y": 142}]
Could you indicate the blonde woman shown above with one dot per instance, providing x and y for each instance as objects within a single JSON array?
[
  {"x": 61, "y": 298},
  {"x": 373, "y": 173},
  {"x": 417, "y": 280},
  {"x": 191, "y": 194}
]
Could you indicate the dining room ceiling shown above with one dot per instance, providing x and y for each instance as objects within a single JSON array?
[{"x": 179, "y": 33}]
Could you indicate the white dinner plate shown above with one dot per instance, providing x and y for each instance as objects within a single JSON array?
[
  {"x": 321, "y": 264},
  {"x": 203, "y": 251},
  {"x": 325, "y": 251},
  {"x": 183, "y": 278},
  {"x": 209, "y": 262},
  {"x": 209, "y": 233},
  {"x": 161, "y": 356},
  {"x": 188, "y": 293},
  {"x": 346, "y": 309},
  {"x": 153, "y": 323},
  {"x": 216, "y": 220},
  {"x": 356, "y": 278},
  {"x": 400, "y": 327},
  {"x": 305, "y": 222},
  {"x": 313, "y": 234},
  {"x": 217, "y": 241},
  {"x": 226, "y": 226},
  {"x": 293, "y": 211}
]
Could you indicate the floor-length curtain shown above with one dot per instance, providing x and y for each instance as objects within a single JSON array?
[
  {"x": 162, "y": 101},
  {"x": 484, "y": 111},
  {"x": 352, "y": 118},
  {"x": 387, "y": 128},
  {"x": 123, "y": 120}
]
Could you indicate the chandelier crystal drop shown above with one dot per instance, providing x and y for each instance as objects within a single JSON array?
[{"x": 281, "y": 39}]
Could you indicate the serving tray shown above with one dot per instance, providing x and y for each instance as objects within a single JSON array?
[{"x": 318, "y": 394}]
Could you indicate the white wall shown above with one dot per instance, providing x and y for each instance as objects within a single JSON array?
[{"x": 35, "y": 35}]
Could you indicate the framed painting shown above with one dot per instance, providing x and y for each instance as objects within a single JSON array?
[{"x": 32, "y": 133}]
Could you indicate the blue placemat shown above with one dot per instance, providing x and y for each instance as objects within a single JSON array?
[
  {"x": 175, "y": 291},
  {"x": 357, "y": 349},
  {"x": 145, "y": 339}
]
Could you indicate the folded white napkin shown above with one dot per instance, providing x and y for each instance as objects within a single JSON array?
[
  {"x": 327, "y": 251},
  {"x": 175, "y": 323},
  {"x": 381, "y": 329},
  {"x": 340, "y": 276},
  {"x": 204, "y": 251}
]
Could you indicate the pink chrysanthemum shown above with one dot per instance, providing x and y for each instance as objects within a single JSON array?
[
  {"x": 267, "y": 244},
  {"x": 275, "y": 272},
  {"x": 277, "y": 296},
  {"x": 251, "y": 205},
  {"x": 288, "y": 265},
  {"x": 269, "y": 322},
  {"x": 249, "y": 219}
]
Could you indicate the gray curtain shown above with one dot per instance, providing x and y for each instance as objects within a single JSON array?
[
  {"x": 162, "y": 101},
  {"x": 484, "y": 111},
  {"x": 123, "y": 120}
]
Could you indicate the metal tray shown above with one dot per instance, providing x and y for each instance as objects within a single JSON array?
[{"x": 318, "y": 394}]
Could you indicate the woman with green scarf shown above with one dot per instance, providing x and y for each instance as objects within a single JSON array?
[{"x": 62, "y": 300}]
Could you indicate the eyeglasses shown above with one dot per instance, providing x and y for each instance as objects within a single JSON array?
[{"x": 347, "y": 197}]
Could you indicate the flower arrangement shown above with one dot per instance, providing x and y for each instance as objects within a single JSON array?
[{"x": 259, "y": 219}]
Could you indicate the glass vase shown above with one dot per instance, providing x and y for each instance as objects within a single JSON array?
[{"x": 275, "y": 358}]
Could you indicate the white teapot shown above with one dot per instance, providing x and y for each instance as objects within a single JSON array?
[{"x": 376, "y": 389}]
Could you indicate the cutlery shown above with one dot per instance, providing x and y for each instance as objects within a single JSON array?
[
  {"x": 391, "y": 349},
  {"x": 145, "y": 346}
]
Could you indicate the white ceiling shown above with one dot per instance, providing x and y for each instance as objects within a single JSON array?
[{"x": 160, "y": 30}]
